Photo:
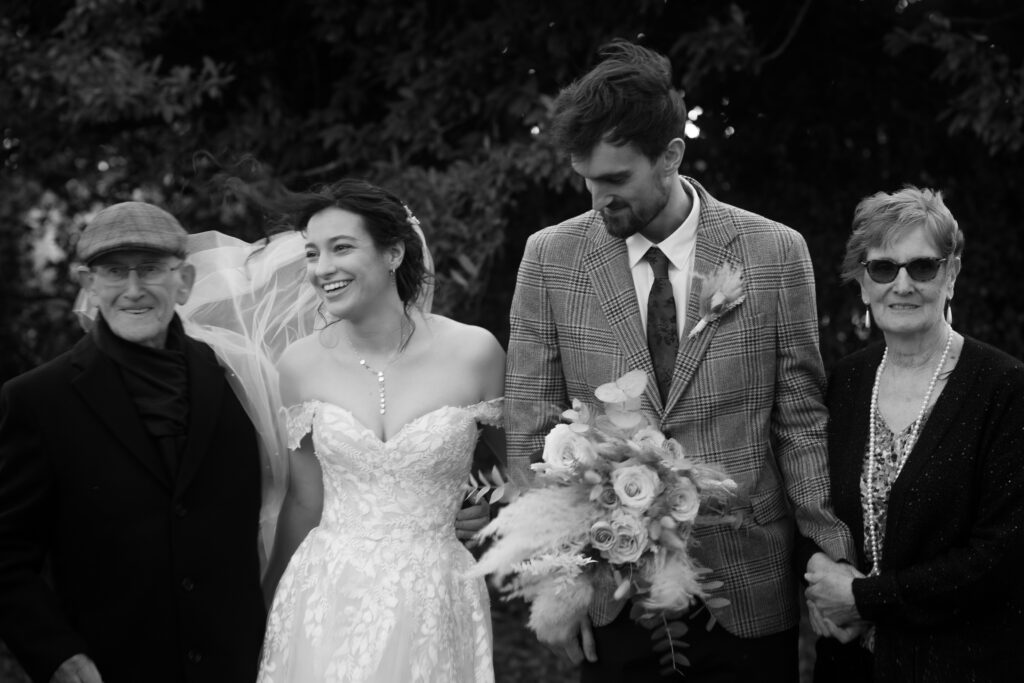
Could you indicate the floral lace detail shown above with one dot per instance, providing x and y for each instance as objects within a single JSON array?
[
  {"x": 299, "y": 421},
  {"x": 377, "y": 591},
  {"x": 489, "y": 412}
]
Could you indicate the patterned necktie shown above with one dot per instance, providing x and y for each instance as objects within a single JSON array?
[{"x": 662, "y": 331}]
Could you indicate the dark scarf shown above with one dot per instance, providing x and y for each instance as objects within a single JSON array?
[{"x": 157, "y": 381}]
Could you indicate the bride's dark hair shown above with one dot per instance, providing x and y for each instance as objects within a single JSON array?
[{"x": 385, "y": 218}]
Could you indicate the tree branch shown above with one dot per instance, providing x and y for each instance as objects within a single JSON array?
[{"x": 774, "y": 54}]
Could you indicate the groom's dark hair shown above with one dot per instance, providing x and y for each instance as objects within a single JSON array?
[{"x": 627, "y": 98}]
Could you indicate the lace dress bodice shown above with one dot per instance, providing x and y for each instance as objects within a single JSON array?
[
  {"x": 386, "y": 491},
  {"x": 377, "y": 591}
]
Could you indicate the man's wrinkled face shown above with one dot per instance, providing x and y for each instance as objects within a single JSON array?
[{"x": 137, "y": 292}]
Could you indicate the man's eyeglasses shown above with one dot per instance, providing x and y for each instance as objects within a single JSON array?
[
  {"x": 148, "y": 273},
  {"x": 883, "y": 271}
]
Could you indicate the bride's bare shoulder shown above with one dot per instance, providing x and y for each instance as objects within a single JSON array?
[
  {"x": 301, "y": 369},
  {"x": 300, "y": 355},
  {"x": 469, "y": 341}
]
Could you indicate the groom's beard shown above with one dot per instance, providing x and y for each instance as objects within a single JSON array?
[{"x": 623, "y": 220}]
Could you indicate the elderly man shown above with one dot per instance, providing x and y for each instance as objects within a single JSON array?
[{"x": 130, "y": 484}]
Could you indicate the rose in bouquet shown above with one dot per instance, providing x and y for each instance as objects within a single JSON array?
[{"x": 613, "y": 497}]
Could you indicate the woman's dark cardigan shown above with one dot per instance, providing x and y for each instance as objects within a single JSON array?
[{"x": 948, "y": 602}]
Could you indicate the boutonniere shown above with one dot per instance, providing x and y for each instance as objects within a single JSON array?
[{"x": 722, "y": 292}]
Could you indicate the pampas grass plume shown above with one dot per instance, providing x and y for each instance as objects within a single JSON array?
[
  {"x": 539, "y": 519},
  {"x": 674, "y": 583},
  {"x": 558, "y": 609}
]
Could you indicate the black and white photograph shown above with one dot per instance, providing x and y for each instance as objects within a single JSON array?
[{"x": 447, "y": 341}]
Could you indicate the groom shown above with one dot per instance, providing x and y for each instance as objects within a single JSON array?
[{"x": 622, "y": 287}]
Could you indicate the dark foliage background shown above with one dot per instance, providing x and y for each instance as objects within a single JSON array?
[
  {"x": 805, "y": 106},
  {"x": 800, "y": 108}
]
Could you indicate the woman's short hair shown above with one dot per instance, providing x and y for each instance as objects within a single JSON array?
[
  {"x": 626, "y": 99},
  {"x": 884, "y": 218},
  {"x": 385, "y": 217}
]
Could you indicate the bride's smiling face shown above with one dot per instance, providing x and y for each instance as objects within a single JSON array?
[{"x": 349, "y": 271}]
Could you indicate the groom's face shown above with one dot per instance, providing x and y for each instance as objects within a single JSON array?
[{"x": 626, "y": 187}]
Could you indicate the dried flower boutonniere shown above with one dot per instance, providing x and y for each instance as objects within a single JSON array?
[{"x": 722, "y": 292}]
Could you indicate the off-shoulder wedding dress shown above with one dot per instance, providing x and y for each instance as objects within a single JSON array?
[{"x": 377, "y": 591}]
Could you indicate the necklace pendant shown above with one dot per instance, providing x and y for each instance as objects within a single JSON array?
[{"x": 381, "y": 391}]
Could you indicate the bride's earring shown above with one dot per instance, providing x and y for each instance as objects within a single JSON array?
[{"x": 949, "y": 312}]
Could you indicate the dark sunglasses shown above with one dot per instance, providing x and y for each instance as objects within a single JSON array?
[{"x": 883, "y": 271}]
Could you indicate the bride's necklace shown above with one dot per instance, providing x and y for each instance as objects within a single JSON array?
[
  {"x": 873, "y": 447},
  {"x": 381, "y": 384}
]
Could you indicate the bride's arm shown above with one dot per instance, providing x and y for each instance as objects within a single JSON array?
[
  {"x": 300, "y": 512},
  {"x": 491, "y": 445},
  {"x": 304, "y": 498},
  {"x": 488, "y": 366}
]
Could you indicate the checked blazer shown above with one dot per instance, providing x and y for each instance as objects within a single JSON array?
[{"x": 746, "y": 394}]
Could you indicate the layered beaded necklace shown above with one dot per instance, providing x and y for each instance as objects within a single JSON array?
[
  {"x": 381, "y": 384},
  {"x": 873, "y": 526}
]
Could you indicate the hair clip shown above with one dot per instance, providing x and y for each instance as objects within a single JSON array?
[{"x": 412, "y": 220}]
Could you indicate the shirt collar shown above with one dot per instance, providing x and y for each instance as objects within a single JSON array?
[{"x": 677, "y": 245}]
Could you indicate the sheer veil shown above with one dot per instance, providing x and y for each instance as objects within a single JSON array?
[{"x": 249, "y": 303}]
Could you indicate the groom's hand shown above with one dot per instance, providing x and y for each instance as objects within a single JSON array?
[
  {"x": 572, "y": 648},
  {"x": 472, "y": 519},
  {"x": 77, "y": 669}
]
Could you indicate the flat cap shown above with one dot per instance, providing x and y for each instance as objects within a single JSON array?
[{"x": 132, "y": 225}]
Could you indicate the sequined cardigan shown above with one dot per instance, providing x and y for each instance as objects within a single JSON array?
[{"x": 948, "y": 603}]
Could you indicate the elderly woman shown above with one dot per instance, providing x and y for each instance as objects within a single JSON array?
[{"x": 926, "y": 449}]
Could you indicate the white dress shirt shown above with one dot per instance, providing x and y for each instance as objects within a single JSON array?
[{"x": 679, "y": 248}]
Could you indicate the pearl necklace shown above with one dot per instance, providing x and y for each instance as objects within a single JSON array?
[
  {"x": 873, "y": 455},
  {"x": 381, "y": 385}
]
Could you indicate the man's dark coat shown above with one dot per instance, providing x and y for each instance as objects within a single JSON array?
[{"x": 103, "y": 551}]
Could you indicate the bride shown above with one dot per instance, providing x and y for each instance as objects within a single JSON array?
[{"x": 384, "y": 404}]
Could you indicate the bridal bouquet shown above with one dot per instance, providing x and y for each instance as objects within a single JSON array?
[{"x": 615, "y": 499}]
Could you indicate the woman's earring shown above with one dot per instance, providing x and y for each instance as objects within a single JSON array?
[
  {"x": 949, "y": 312},
  {"x": 862, "y": 324},
  {"x": 391, "y": 273}
]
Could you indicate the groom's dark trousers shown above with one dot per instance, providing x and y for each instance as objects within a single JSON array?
[{"x": 624, "y": 650}]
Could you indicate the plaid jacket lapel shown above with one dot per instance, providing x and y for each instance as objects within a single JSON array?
[
  {"x": 607, "y": 263},
  {"x": 714, "y": 234}
]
